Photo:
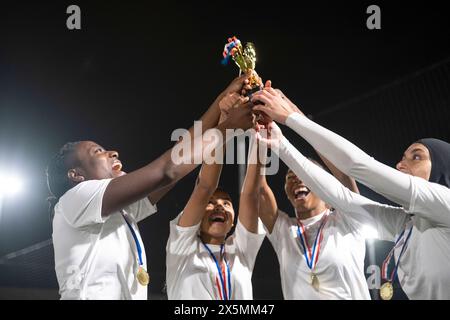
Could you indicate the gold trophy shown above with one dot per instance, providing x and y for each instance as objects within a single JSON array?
[{"x": 245, "y": 59}]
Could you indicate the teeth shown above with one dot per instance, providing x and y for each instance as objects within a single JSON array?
[
  {"x": 301, "y": 189},
  {"x": 117, "y": 166},
  {"x": 301, "y": 192},
  {"x": 217, "y": 218}
]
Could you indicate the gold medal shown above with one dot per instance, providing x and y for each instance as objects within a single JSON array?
[
  {"x": 386, "y": 291},
  {"x": 143, "y": 277},
  {"x": 314, "y": 281}
]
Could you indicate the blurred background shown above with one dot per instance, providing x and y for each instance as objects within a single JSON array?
[{"x": 138, "y": 70}]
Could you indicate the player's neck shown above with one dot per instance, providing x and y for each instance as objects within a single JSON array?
[
  {"x": 208, "y": 239},
  {"x": 303, "y": 215}
]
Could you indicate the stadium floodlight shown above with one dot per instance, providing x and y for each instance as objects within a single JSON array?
[{"x": 10, "y": 184}]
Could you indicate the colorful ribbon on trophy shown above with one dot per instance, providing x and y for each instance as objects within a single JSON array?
[
  {"x": 402, "y": 240},
  {"x": 224, "y": 285},
  {"x": 311, "y": 254},
  {"x": 230, "y": 49}
]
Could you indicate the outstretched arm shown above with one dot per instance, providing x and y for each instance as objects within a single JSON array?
[
  {"x": 278, "y": 96},
  {"x": 209, "y": 175},
  {"x": 250, "y": 193},
  {"x": 346, "y": 180},
  {"x": 429, "y": 200},
  {"x": 164, "y": 172},
  {"x": 384, "y": 218}
]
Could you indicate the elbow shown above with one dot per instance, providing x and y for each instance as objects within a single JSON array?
[{"x": 170, "y": 175}]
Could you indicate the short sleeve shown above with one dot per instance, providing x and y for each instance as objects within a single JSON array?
[
  {"x": 280, "y": 227},
  {"x": 82, "y": 205},
  {"x": 141, "y": 209},
  {"x": 248, "y": 243},
  {"x": 182, "y": 240}
]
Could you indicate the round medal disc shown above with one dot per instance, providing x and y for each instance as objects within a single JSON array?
[
  {"x": 143, "y": 277},
  {"x": 386, "y": 291}
]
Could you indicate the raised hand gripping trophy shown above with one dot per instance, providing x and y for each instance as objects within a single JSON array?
[{"x": 245, "y": 58}]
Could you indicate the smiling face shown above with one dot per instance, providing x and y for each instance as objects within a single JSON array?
[
  {"x": 305, "y": 202},
  {"x": 416, "y": 161},
  {"x": 218, "y": 218},
  {"x": 94, "y": 163}
]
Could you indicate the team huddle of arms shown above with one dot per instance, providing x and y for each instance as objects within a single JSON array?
[{"x": 213, "y": 243}]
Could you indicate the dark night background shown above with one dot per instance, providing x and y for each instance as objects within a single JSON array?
[{"x": 138, "y": 70}]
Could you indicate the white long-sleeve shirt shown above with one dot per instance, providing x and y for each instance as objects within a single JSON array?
[
  {"x": 423, "y": 269},
  {"x": 340, "y": 267}
]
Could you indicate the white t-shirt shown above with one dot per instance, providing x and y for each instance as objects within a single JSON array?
[
  {"x": 423, "y": 269},
  {"x": 340, "y": 265},
  {"x": 96, "y": 257},
  {"x": 191, "y": 271}
]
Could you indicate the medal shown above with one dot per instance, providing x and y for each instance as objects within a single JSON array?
[
  {"x": 314, "y": 281},
  {"x": 387, "y": 291},
  {"x": 312, "y": 254},
  {"x": 142, "y": 276}
]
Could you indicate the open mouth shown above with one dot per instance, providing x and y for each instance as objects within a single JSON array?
[
  {"x": 117, "y": 165},
  {"x": 301, "y": 193},
  {"x": 218, "y": 217}
]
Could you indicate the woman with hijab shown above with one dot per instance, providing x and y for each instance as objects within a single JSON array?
[{"x": 420, "y": 184}]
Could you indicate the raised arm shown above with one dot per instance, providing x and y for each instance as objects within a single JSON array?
[
  {"x": 209, "y": 120},
  {"x": 330, "y": 190},
  {"x": 207, "y": 182},
  {"x": 250, "y": 193},
  {"x": 346, "y": 180},
  {"x": 209, "y": 175},
  {"x": 268, "y": 207},
  {"x": 430, "y": 200},
  {"x": 163, "y": 172}
]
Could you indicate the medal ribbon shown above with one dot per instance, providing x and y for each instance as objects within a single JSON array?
[
  {"x": 222, "y": 287},
  {"x": 401, "y": 240},
  {"x": 311, "y": 256},
  {"x": 136, "y": 240}
]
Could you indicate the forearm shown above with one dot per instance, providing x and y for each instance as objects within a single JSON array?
[
  {"x": 250, "y": 194},
  {"x": 353, "y": 161},
  {"x": 328, "y": 188},
  {"x": 346, "y": 180},
  {"x": 127, "y": 189},
  {"x": 268, "y": 207}
]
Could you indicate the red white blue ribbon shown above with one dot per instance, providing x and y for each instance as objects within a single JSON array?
[
  {"x": 311, "y": 254},
  {"x": 230, "y": 48},
  {"x": 402, "y": 240},
  {"x": 223, "y": 280}
]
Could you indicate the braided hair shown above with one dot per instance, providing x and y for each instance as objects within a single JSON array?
[{"x": 57, "y": 181}]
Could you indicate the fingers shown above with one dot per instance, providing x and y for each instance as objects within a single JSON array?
[
  {"x": 261, "y": 108},
  {"x": 228, "y": 101},
  {"x": 242, "y": 102},
  {"x": 272, "y": 91},
  {"x": 268, "y": 84},
  {"x": 262, "y": 96}
]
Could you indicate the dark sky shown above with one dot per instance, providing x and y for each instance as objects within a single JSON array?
[{"x": 138, "y": 70}]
